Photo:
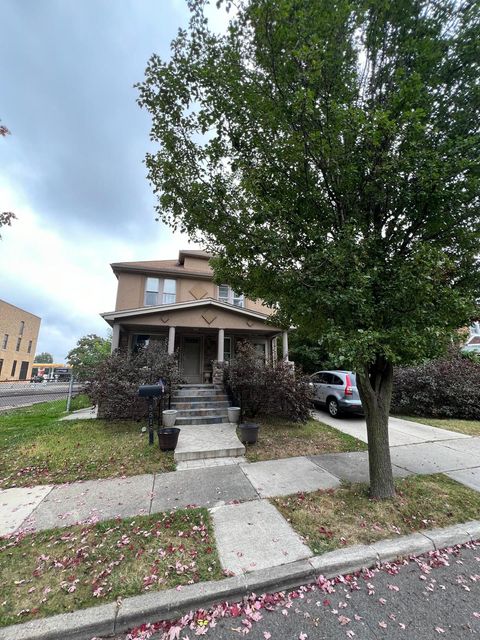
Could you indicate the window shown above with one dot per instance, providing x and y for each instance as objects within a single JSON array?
[
  {"x": 336, "y": 380},
  {"x": 5, "y": 341},
  {"x": 14, "y": 366},
  {"x": 19, "y": 342},
  {"x": 22, "y": 327},
  {"x": 159, "y": 291},
  {"x": 1, "y": 365},
  {"x": 226, "y": 294},
  {"x": 29, "y": 349}
]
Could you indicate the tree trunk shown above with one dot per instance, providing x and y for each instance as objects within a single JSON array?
[{"x": 375, "y": 388}]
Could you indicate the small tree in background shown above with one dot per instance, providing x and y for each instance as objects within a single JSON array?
[
  {"x": 44, "y": 357},
  {"x": 89, "y": 352},
  {"x": 327, "y": 152}
]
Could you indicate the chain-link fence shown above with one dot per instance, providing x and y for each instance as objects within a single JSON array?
[{"x": 15, "y": 394}]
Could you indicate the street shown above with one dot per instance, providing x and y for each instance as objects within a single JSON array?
[
  {"x": 21, "y": 394},
  {"x": 430, "y": 598}
]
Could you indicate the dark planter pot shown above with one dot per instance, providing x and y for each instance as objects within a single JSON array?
[
  {"x": 248, "y": 432},
  {"x": 168, "y": 438}
]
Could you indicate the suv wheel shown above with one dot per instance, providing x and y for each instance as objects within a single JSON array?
[{"x": 332, "y": 407}]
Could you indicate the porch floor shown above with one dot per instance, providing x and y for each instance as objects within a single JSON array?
[{"x": 205, "y": 441}]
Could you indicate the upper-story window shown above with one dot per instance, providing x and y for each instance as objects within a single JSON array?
[
  {"x": 160, "y": 291},
  {"x": 22, "y": 327},
  {"x": 29, "y": 350},
  {"x": 5, "y": 341},
  {"x": 19, "y": 342},
  {"x": 226, "y": 294}
]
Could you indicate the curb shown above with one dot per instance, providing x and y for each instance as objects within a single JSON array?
[{"x": 114, "y": 618}]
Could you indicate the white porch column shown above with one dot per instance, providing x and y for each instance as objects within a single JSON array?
[
  {"x": 171, "y": 340},
  {"x": 115, "y": 336},
  {"x": 285, "y": 345},
  {"x": 274, "y": 349},
  {"x": 221, "y": 338}
]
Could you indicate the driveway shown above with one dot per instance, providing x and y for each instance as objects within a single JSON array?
[{"x": 400, "y": 431}]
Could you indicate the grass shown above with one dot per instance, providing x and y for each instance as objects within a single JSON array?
[
  {"x": 347, "y": 516},
  {"x": 36, "y": 448},
  {"x": 283, "y": 439},
  {"x": 62, "y": 570},
  {"x": 469, "y": 427}
]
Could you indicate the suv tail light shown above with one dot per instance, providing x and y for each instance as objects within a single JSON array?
[{"x": 348, "y": 386}]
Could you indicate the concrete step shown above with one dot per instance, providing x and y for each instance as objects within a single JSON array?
[
  {"x": 208, "y": 404},
  {"x": 218, "y": 397},
  {"x": 203, "y": 463},
  {"x": 215, "y": 441},
  {"x": 197, "y": 393},
  {"x": 198, "y": 413},
  {"x": 199, "y": 386},
  {"x": 190, "y": 420}
]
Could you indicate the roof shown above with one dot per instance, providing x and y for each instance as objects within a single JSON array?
[
  {"x": 168, "y": 266},
  {"x": 191, "y": 304}
]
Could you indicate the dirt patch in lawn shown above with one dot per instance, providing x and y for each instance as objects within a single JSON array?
[
  {"x": 346, "y": 516},
  {"x": 468, "y": 427},
  {"x": 36, "y": 448},
  {"x": 62, "y": 570},
  {"x": 284, "y": 439}
]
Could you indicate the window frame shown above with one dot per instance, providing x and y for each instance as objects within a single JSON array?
[
  {"x": 29, "y": 348},
  {"x": 19, "y": 343},
  {"x": 14, "y": 368},
  {"x": 162, "y": 295},
  {"x": 232, "y": 297},
  {"x": 22, "y": 328},
  {"x": 5, "y": 340}
]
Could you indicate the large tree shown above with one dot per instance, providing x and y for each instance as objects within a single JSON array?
[
  {"x": 44, "y": 357},
  {"x": 327, "y": 152}
]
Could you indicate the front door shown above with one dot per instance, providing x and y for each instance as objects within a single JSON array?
[{"x": 192, "y": 351}]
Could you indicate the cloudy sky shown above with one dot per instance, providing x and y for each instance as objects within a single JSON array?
[{"x": 71, "y": 169}]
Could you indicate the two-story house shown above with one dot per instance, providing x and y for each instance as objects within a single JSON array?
[{"x": 178, "y": 301}]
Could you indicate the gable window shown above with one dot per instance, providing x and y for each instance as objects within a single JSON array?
[
  {"x": 160, "y": 291},
  {"x": 22, "y": 327},
  {"x": 5, "y": 341},
  {"x": 226, "y": 294},
  {"x": 19, "y": 342}
]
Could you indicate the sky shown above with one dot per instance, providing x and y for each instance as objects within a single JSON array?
[{"x": 72, "y": 169}]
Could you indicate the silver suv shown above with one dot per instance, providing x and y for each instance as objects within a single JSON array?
[{"x": 337, "y": 391}]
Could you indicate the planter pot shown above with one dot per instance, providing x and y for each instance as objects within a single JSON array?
[
  {"x": 168, "y": 438},
  {"x": 169, "y": 417},
  {"x": 248, "y": 432},
  {"x": 233, "y": 414}
]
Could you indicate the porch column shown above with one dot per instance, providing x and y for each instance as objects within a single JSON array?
[
  {"x": 171, "y": 340},
  {"x": 221, "y": 338},
  {"x": 274, "y": 349},
  {"x": 115, "y": 337},
  {"x": 285, "y": 345}
]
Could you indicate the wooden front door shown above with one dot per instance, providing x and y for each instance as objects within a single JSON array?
[{"x": 192, "y": 359}]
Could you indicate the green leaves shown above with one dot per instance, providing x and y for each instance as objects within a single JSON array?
[{"x": 327, "y": 152}]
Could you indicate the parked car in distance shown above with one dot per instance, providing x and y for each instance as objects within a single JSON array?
[{"x": 337, "y": 391}]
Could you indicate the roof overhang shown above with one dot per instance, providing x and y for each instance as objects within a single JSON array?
[{"x": 112, "y": 316}]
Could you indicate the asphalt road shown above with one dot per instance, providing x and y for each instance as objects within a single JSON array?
[
  {"x": 26, "y": 394},
  {"x": 415, "y": 601}
]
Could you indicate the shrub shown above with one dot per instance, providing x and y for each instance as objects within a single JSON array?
[
  {"x": 114, "y": 385},
  {"x": 445, "y": 388},
  {"x": 261, "y": 388}
]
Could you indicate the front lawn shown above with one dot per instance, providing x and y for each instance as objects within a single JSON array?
[
  {"x": 36, "y": 448},
  {"x": 279, "y": 438},
  {"x": 347, "y": 516},
  {"x": 62, "y": 570},
  {"x": 468, "y": 427}
]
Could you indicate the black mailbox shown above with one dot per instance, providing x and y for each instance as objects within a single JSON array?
[{"x": 150, "y": 390}]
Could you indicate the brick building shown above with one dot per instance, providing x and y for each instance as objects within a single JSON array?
[{"x": 18, "y": 341}]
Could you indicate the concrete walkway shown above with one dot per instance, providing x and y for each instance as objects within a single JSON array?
[{"x": 249, "y": 530}]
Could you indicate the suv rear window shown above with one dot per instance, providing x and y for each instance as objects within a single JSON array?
[{"x": 336, "y": 380}]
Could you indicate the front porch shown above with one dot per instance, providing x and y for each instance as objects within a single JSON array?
[
  {"x": 198, "y": 349},
  {"x": 202, "y": 332}
]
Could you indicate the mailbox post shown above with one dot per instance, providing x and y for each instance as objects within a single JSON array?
[{"x": 150, "y": 391}]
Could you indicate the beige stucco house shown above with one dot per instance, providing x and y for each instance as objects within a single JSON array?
[{"x": 177, "y": 300}]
